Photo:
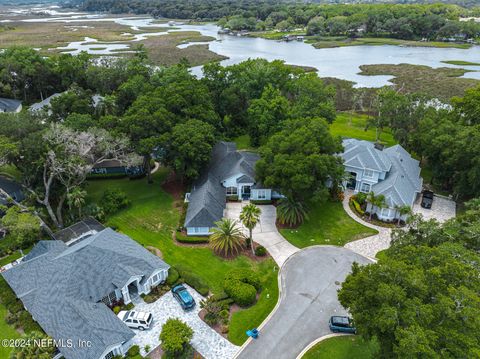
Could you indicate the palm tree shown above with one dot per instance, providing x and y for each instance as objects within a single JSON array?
[
  {"x": 375, "y": 201},
  {"x": 227, "y": 238},
  {"x": 291, "y": 212},
  {"x": 403, "y": 211},
  {"x": 76, "y": 198},
  {"x": 250, "y": 216}
]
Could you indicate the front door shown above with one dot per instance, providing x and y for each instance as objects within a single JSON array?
[
  {"x": 352, "y": 180},
  {"x": 246, "y": 192}
]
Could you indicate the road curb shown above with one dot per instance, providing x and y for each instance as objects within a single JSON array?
[{"x": 316, "y": 341}]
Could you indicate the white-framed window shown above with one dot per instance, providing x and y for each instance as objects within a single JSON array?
[
  {"x": 231, "y": 191},
  {"x": 365, "y": 187},
  {"x": 155, "y": 278},
  {"x": 261, "y": 194},
  {"x": 368, "y": 173}
]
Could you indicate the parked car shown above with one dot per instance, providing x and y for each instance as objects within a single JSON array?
[
  {"x": 427, "y": 199},
  {"x": 136, "y": 320},
  {"x": 180, "y": 293},
  {"x": 342, "y": 324}
]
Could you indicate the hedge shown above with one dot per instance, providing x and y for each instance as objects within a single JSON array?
[
  {"x": 233, "y": 198},
  {"x": 193, "y": 280},
  {"x": 242, "y": 286},
  {"x": 172, "y": 276},
  {"x": 180, "y": 237},
  {"x": 261, "y": 201},
  {"x": 244, "y": 275}
]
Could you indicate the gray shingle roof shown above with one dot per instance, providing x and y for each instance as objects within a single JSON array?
[
  {"x": 208, "y": 196},
  {"x": 363, "y": 154},
  {"x": 88, "y": 225},
  {"x": 9, "y": 105},
  {"x": 45, "y": 104},
  {"x": 402, "y": 181},
  {"x": 61, "y": 285},
  {"x": 13, "y": 189}
]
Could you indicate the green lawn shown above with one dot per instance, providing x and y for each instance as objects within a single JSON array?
[
  {"x": 150, "y": 221},
  {"x": 353, "y": 125},
  {"x": 10, "y": 258},
  {"x": 344, "y": 347},
  {"x": 243, "y": 142},
  {"x": 327, "y": 224}
]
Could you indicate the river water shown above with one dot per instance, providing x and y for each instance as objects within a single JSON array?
[{"x": 341, "y": 62}]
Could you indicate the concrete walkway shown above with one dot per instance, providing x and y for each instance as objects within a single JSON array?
[
  {"x": 265, "y": 233},
  {"x": 368, "y": 246}
]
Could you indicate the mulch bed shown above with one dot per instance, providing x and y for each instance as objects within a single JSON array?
[{"x": 173, "y": 186}]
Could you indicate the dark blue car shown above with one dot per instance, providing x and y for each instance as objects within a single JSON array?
[
  {"x": 342, "y": 325},
  {"x": 181, "y": 294}
]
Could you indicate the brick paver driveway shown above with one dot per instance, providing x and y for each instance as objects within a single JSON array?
[
  {"x": 442, "y": 209},
  {"x": 265, "y": 233}
]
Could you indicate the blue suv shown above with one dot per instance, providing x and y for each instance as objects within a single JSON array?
[
  {"x": 342, "y": 324},
  {"x": 182, "y": 296}
]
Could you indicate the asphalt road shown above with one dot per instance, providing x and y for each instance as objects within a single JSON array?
[{"x": 310, "y": 279}]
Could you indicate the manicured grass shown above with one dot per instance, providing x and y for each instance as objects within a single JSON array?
[
  {"x": 344, "y": 347},
  {"x": 252, "y": 317},
  {"x": 461, "y": 63},
  {"x": 151, "y": 219},
  {"x": 353, "y": 125},
  {"x": 243, "y": 142},
  {"x": 6, "y": 332},
  {"x": 328, "y": 223},
  {"x": 442, "y": 83},
  {"x": 10, "y": 258}
]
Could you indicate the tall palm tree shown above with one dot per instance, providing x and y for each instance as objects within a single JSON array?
[
  {"x": 227, "y": 238},
  {"x": 375, "y": 201},
  {"x": 76, "y": 198},
  {"x": 291, "y": 212},
  {"x": 250, "y": 216},
  {"x": 403, "y": 211}
]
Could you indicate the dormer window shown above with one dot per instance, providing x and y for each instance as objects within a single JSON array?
[{"x": 368, "y": 173}]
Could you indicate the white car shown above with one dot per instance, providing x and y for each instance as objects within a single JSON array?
[{"x": 136, "y": 320}]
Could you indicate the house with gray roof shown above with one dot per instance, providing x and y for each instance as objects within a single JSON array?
[
  {"x": 10, "y": 188},
  {"x": 391, "y": 172},
  {"x": 68, "y": 285},
  {"x": 229, "y": 173},
  {"x": 10, "y": 105}
]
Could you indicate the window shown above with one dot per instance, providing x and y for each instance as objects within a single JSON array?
[
  {"x": 110, "y": 355},
  {"x": 231, "y": 191},
  {"x": 261, "y": 194},
  {"x": 368, "y": 173},
  {"x": 155, "y": 278},
  {"x": 365, "y": 188}
]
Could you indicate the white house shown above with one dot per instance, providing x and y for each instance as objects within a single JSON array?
[
  {"x": 391, "y": 172},
  {"x": 230, "y": 173},
  {"x": 69, "y": 283}
]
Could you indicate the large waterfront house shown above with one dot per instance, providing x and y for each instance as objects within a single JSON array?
[
  {"x": 390, "y": 172},
  {"x": 230, "y": 173},
  {"x": 68, "y": 284}
]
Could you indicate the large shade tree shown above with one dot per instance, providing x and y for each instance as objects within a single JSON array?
[
  {"x": 301, "y": 160},
  {"x": 420, "y": 300}
]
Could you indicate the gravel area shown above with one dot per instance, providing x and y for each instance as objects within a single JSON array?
[{"x": 206, "y": 341}]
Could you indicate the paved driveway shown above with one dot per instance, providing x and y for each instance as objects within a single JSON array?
[
  {"x": 205, "y": 340},
  {"x": 265, "y": 233},
  {"x": 442, "y": 209},
  {"x": 310, "y": 279}
]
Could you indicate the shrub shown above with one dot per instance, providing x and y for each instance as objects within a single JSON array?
[
  {"x": 193, "y": 280},
  {"x": 261, "y": 201},
  {"x": 133, "y": 351},
  {"x": 116, "y": 309},
  {"x": 358, "y": 208},
  {"x": 232, "y": 198},
  {"x": 129, "y": 306},
  {"x": 242, "y": 293},
  {"x": 244, "y": 275},
  {"x": 172, "y": 276},
  {"x": 114, "y": 200},
  {"x": 175, "y": 336},
  {"x": 147, "y": 348},
  {"x": 361, "y": 198},
  {"x": 260, "y": 251}
]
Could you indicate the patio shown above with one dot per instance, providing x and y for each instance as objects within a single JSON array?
[{"x": 206, "y": 341}]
